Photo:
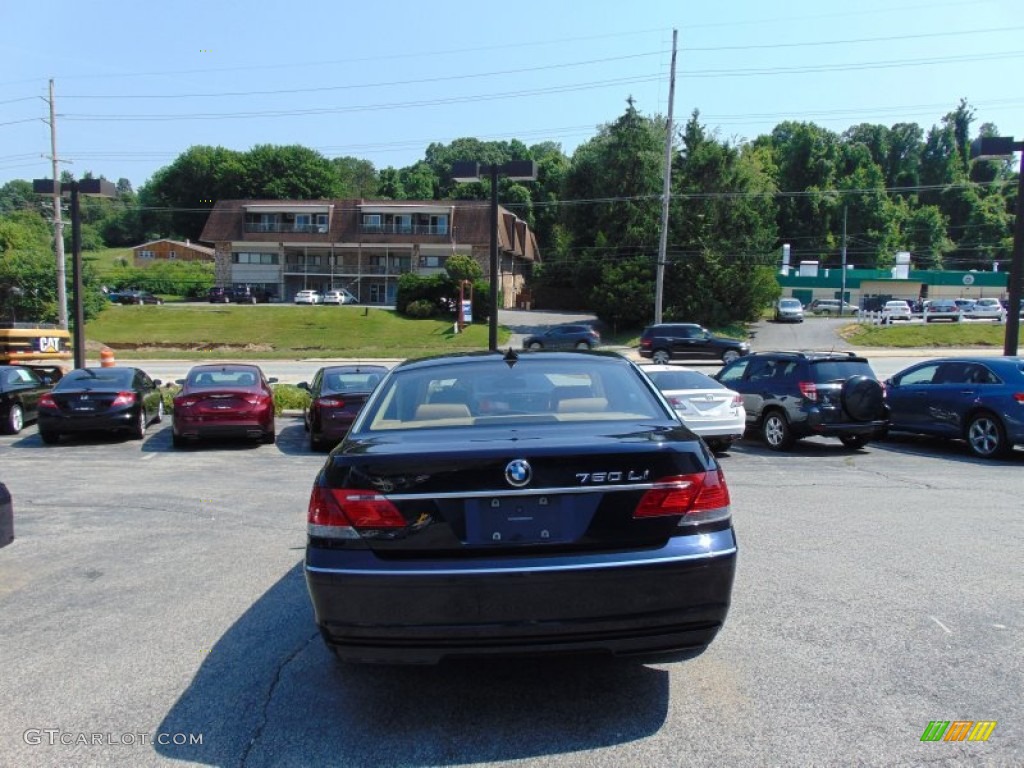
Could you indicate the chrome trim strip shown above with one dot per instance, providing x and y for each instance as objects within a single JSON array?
[
  {"x": 707, "y": 555},
  {"x": 488, "y": 494}
]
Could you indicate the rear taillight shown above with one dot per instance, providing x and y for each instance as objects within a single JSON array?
[
  {"x": 699, "y": 498},
  {"x": 737, "y": 401},
  {"x": 123, "y": 398},
  {"x": 1019, "y": 397},
  {"x": 676, "y": 402},
  {"x": 809, "y": 390},
  {"x": 341, "y": 512},
  {"x": 331, "y": 402},
  {"x": 645, "y": 343},
  {"x": 185, "y": 402},
  {"x": 47, "y": 402}
]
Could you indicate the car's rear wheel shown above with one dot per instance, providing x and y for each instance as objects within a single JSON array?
[
  {"x": 730, "y": 355},
  {"x": 15, "y": 420},
  {"x": 854, "y": 441},
  {"x": 138, "y": 430},
  {"x": 777, "y": 434},
  {"x": 269, "y": 438},
  {"x": 661, "y": 356},
  {"x": 178, "y": 441},
  {"x": 48, "y": 437},
  {"x": 315, "y": 443},
  {"x": 536, "y": 345},
  {"x": 719, "y": 446},
  {"x": 582, "y": 345},
  {"x": 986, "y": 436}
]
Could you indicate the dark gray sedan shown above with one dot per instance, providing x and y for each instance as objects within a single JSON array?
[{"x": 100, "y": 400}]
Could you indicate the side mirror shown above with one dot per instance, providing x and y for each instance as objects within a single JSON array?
[
  {"x": 272, "y": 380},
  {"x": 179, "y": 382},
  {"x": 303, "y": 385},
  {"x": 157, "y": 382}
]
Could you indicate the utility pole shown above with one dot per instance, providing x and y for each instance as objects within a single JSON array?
[
  {"x": 58, "y": 224},
  {"x": 842, "y": 284},
  {"x": 659, "y": 282}
]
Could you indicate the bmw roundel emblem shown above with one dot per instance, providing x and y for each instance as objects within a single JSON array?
[{"x": 518, "y": 473}]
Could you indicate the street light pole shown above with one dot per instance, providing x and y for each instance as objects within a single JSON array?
[
  {"x": 95, "y": 187},
  {"x": 468, "y": 171},
  {"x": 1003, "y": 146},
  {"x": 76, "y": 275},
  {"x": 492, "y": 325},
  {"x": 1016, "y": 267}
]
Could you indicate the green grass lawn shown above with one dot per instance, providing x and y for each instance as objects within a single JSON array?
[
  {"x": 276, "y": 332},
  {"x": 936, "y": 335}
]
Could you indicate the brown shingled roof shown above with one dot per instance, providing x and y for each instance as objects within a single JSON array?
[{"x": 470, "y": 222}]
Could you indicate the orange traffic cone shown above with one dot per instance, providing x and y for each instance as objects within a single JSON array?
[{"x": 107, "y": 358}]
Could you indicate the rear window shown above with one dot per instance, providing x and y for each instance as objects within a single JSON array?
[
  {"x": 105, "y": 377},
  {"x": 222, "y": 378},
  {"x": 351, "y": 382},
  {"x": 669, "y": 380},
  {"x": 488, "y": 393},
  {"x": 839, "y": 370}
]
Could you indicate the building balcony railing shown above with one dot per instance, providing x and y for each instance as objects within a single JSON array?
[
  {"x": 345, "y": 269},
  {"x": 284, "y": 227},
  {"x": 404, "y": 229}
]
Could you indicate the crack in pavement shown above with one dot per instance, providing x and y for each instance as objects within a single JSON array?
[{"x": 258, "y": 732}]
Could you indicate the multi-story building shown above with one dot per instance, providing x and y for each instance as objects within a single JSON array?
[{"x": 364, "y": 246}]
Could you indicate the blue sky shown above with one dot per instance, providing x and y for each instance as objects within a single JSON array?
[{"x": 138, "y": 83}]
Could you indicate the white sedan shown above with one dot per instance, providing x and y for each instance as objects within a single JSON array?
[
  {"x": 308, "y": 297},
  {"x": 708, "y": 408},
  {"x": 987, "y": 309},
  {"x": 896, "y": 309}
]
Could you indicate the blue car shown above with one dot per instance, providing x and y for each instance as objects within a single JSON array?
[{"x": 976, "y": 399}]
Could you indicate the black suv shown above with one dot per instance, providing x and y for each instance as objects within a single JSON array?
[
  {"x": 790, "y": 395},
  {"x": 687, "y": 341}
]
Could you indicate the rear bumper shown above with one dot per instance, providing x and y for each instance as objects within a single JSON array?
[
  {"x": 103, "y": 422},
  {"x": 224, "y": 429},
  {"x": 815, "y": 425},
  {"x": 666, "y": 602}
]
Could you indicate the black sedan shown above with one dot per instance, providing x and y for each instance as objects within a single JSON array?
[
  {"x": 976, "y": 399},
  {"x": 20, "y": 389},
  {"x": 336, "y": 393},
  {"x": 138, "y": 297},
  {"x": 101, "y": 400},
  {"x": 491, "y": 504},
  {"x": 564, "y": 337}
]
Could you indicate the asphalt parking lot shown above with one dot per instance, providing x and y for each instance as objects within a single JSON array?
[{"x": 153, "y": 599}]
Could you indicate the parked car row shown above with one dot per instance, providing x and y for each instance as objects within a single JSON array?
[
  {"x": 240, "y": 295},
  {"x": 780, "y": 396},
  {"x": 337, "y": 296}
]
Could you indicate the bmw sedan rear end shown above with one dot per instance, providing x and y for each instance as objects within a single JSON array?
[{"x": 495, "y": 505}]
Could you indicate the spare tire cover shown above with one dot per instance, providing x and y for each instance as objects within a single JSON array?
[{"x": 863, "y": 398}]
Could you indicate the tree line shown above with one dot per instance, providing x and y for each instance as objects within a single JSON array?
[{"x": 597, "y": 213}]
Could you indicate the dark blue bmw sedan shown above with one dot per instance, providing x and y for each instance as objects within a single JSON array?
[
  {"x": 976, "y": 399},
  {"x": 491, "y": 504}
]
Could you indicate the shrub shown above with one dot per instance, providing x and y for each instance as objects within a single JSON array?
[
  {"x": 289, "y": 397},
  {"x": 420, "y": 309}
]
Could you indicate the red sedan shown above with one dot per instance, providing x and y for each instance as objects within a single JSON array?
[
  {"x": 337, "y": 393},
  {"x": 224, "y": 400}
]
